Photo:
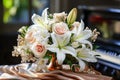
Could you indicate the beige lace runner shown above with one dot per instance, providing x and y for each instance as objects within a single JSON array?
[{"x": 23, "y": 72}]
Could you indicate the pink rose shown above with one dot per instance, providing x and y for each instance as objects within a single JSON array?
[
  {"x": 60, "y": 28},
  {"x": 38, "y": 49}
]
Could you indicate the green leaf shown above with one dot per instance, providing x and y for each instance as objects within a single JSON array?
[
  {"x": 70, "y": 60},
  {"x": 95, "y": 47}
]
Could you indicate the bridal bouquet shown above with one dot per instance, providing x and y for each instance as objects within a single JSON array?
[{"x": 56, "y": 35}]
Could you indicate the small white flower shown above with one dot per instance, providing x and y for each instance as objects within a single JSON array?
[
  {"x": 18, "y": 48},
  {"x": 60, "y": 28},
  {"x": 41, "y": 65},
  {"x": 75, "y": 44}
]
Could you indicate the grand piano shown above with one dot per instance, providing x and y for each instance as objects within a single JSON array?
[{"x": 109, "y": 40}]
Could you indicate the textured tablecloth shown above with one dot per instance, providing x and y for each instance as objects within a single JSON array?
[{"x": 22, "y": 72}]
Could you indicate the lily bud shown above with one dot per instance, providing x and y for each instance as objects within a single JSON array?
[{"x": 72, "y": 16}]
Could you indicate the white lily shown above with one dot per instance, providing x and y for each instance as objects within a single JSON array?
[
  {"x": 36, "y": 34},
  {"x": 81, "y": 35},
  {"x": 60, "y": 46},
  {"x": 41, "y": 20},
  {"x": 86, "y": 55},
  {"x": 42, "y": 35}
]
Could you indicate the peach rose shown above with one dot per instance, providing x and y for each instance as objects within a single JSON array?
[
  {"x": 58, "y": 17},
  {"x": 60, "y": 28},
  {"x": 29, "y": 37},
  {"x": 76, "y": 24},
  {"x": 38, "y": 49}
]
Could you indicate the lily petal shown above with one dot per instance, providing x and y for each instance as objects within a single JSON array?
[
  {"x": 87, "y": 42},
  {"x": 44, "y": 15},
  {"x": 52, "y": 48},
  {"x": 80, "y": 28},
  {"x": 54, "y": 39},
  {"x": 81, "y": 64},
  {"x": 74, "y": 30},
  {"x": 69, "y": 50},
  {"x": 37, "y": 19},
  {"x": 60, "y": 58},
  {"x": 85, "y": 54},
  {"x": 61, "y": 40},
  {"x": 65, "y": 38},
  {"x": 90, "y": 59},
  {"x": 84, "y": 35}
]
